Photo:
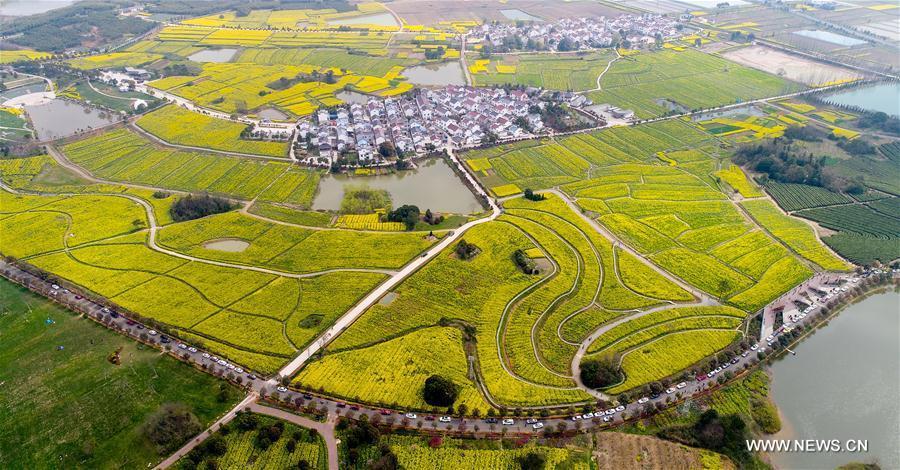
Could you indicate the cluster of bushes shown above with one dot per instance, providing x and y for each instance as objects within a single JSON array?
[
  {"x": 170, "y": 427},
  {"x": 533, "y": 196},
  {"x": 601, "y": 373},
  {"x": 361, "y": 434},
  {"x": 526, "y": 264},
  {"x": 407, "y": 214},
  {"x": 194, "y": 207},
  {"x": 784, "y": 161},
  {"x": 465, "y": 250}
]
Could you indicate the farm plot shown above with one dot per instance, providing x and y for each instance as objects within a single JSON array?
[
  {"x": 563, "y": 71},
  {"x": 651, "y": 84},
  {"x": 736, "y": 178},
  {"x": 292, "y": 249},
  {"x": 792, "y": 197},
  {"x": 245, "y": 87},
  {"x": 177, "y": 125},
  {"x": 414, "y": 452},
  {"x": 794, "y": 233},
  {"x": 242, "y": 450},
  {"x": 260, "y": 320},
  {"x": 471, "y": 292},
  {"x": 122, "y": 155},
  {"x": 670, "y": 355},
  {"x": 855, "y": 219},
  {"x": 48, "y": 429},
  {"x": 114, "y": 60},
  {"x": 413, "y": 359}
]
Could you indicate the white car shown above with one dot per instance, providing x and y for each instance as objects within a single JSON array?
[
  {"x": 754, "y": 347},
  {"x": 643, "y": 400},
  {"x": 576, "y": 418},
  {"x": 745, "y": 353},
  {"x": 537, "y": 426},
  {"x": 239, "y": 370},
  {"x": 281, "y": 389},
  {"x": 611, "y": 411},
  {"x": 508, "y": 422},
  {"x": 182, "y": 346},
  {"x": 620, "y": 408},
  {"x": 681, "y": 385},
  {"x": 445, "y": 419},
  {"x": 607, "y": 419},
  {"x": 530, "y": 421},
  {"x": 192, "y": 349},
  {"x": 411, "y": 416},
  {"x": 54, "y": 286},
  {"x": 231, "y": 367},
  {"x": 152, "y": 332},
  {"x": 221, "y": 362},
  {"x": 205, "y": 355},
  {"x": 587, "y": 416},
  {"x": 670, "y": 390}
]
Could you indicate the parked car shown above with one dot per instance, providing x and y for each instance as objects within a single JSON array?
[
  {"x": 193, "y": 350},
  {"x": 509, "y": 422},
  {"x": 411, "y": 416},
  {"x": 702, "y": 377},
  {"x": 530, "y": 421},
  {"x": 251, "y": 376},
  {"x": 587, "y": 416},
  {"x": 643, "y": 400},
  {"x": 491, "y": 420},
  {"x": 152, "y": 332},
  {"x": 607, "y": 419},
  {"x": 681, "y": 385},
  {"x": 206, "y": 356},
  {"x": 670, "y": 390},
  {"x": 445, "y": 419},
  {"x": 754, "y": 347},
  {"x": 281, "y": 389},
  {"x": 537, "y": 426}
]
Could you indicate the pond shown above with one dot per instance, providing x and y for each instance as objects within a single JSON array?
[
  {"x": 380, "y": 19},
  {"x": 433, "y": 186},
  {"x": 231, "y": 245},
  {"x": 828, "y": 36},
  {"x": 446, "y": 73},
  {"x": 62, "y": 118},
  {"x": 271, "y": 114},
  {"x": 516, "y": 14},
  {"x": 213, "y": 55},
  {"x": 884, "y": 97},
  {"x": 348, "y": 96},
  {"x": 741, "y": 111},
  {"x": 843, "y": 384}
]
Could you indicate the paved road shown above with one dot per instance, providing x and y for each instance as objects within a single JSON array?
[
  {"x": 184, "y": 450},
  {"x": 354, "y": 313},
  {"x": 260, "y": 387},
  {"x": 326, "y": 429}
]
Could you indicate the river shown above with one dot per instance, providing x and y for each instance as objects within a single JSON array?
[
  {"x": 432, "y": 186},
  {"x": 844, "y": 383}
]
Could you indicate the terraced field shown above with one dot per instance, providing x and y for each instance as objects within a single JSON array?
[
  {"x": 255, "y": 318},
  {"x": 528, "y": 327},
  {"x": 122, "y": 155}
]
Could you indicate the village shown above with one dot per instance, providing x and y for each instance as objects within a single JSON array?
[
  {"x": 419, "y": 123},
  {"x": 574, "y": 34}
]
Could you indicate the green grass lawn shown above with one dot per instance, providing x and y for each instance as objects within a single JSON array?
[{"x": 66, "y": 406}]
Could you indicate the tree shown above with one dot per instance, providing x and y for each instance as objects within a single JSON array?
[
  {"x": 440, "y": 391},
  {"x": 194, "y": 207},
  {"x": 408, "y": 214},
  {"x": 599, "y": 373},
  {"x": 387, "y": 150},
  {"x": 533, "y": 461}
]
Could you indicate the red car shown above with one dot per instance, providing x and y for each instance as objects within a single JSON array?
[
  {"x": 385, "y": 412},
  {"x": 702, "y": 377}
]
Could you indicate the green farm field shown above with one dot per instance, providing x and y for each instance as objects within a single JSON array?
[
  {"x": 123, "y": 155},
  {"x": 689, "y": 78},
  {"x": 565, "y": 72},
  {"x": 259, "y": 321},
  {"x": 177, "y": 125},
  {"x": 67, "y": 406}
]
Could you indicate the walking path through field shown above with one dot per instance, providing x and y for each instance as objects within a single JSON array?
[
  {"x": 396, "y": 278},
  {"x": 326, "y": 429}
]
